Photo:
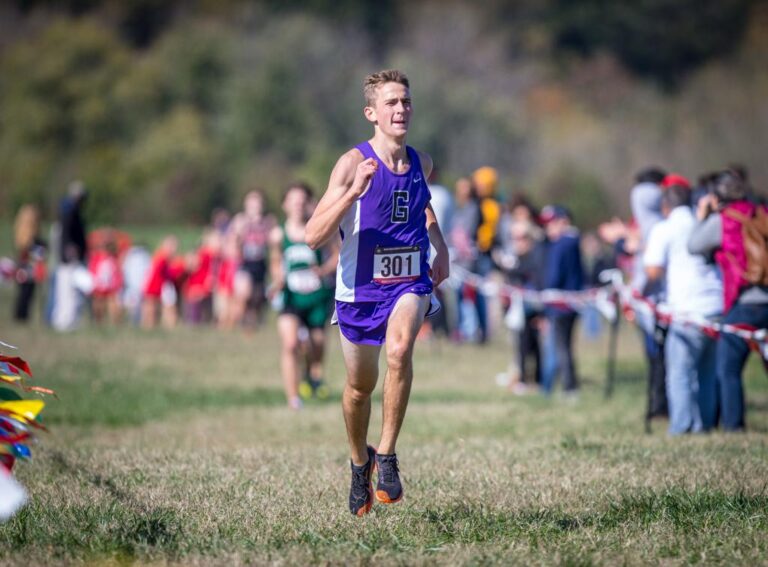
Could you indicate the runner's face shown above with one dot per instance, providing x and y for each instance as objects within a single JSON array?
[
  {"x": 295, "y": 204},
  {"x": 391, "y": 111},
  {"x": 254, "y": 205}
]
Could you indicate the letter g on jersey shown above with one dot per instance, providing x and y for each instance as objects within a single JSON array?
[{"x": 400, "y": 206}]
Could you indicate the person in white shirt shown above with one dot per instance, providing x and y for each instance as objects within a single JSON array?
[
  {"x": 694, "y": 290},
  {"x": 444, "y": 321}
]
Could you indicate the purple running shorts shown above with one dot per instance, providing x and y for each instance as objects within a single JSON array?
[{"x": 365, "y": 322}]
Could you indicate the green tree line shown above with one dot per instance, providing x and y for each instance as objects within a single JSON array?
[{"x": 167, "y": 109}]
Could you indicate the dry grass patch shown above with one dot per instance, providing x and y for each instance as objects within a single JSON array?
[{"x": 177, "y": 448}]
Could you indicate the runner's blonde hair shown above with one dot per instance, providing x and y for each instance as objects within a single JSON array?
[{"x": 373, "y": 81}]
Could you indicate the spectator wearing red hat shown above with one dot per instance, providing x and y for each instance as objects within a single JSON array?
[{"x": 672, "y": 179}]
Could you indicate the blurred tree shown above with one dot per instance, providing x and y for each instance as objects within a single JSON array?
[
  {"x": 56, "y": 98},
  {"x": 144, "y": 20},
  {"x": 170, "y": 169},
  {"x": 579, "y": 190},
  {"x": 168, "y": 104},
  {"x": 661, "y": 39},
  {"x": 73, "y": 7},
  {"x": 191, "y": 65},
  {"x": 138, "y": 21},
  {"x": 58, "y": 89},
  {"x": 294, "y": 103},
  {"x": 165, "y": 108},
  {"x": 378, "y": 19}
]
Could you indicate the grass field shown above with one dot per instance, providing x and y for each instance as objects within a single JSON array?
[{"x": 177, "y": 448}]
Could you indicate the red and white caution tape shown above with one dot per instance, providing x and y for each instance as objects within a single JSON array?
[
  {"x": 633, "y": 301},
  {"x": 575, "y": 300},
  {"x": 604, "y": 299}
]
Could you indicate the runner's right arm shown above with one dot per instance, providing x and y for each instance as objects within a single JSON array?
[{"x": 349, "y": 180}]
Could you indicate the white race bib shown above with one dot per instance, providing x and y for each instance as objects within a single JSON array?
[
  {"x": 303, "y": 281},
  {"x": 396, "y": 265}
]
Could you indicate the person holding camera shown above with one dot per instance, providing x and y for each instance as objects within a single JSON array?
[
  {"x": 693, "y": 289},
  {"x": 733, "y": 231}
]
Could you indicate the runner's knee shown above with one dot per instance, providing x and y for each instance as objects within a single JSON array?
[
  {"x": 399, "y": 354},
  {"x": 291, "y": 345},
  {"x": 360, "y": 390}
]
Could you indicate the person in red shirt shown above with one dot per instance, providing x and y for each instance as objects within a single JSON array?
[
  {"x": 169, "y": 297},
  {"x": 198, "y": 288},
  {"x": 158, "y": 275},
  {"x": 229, "y": 310},
  {"x": 107, "y": 283}
]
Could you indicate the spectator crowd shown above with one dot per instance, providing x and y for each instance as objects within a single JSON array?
[{"x": 699, "y": 248}]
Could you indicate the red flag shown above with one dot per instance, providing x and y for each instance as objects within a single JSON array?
[{"x": 17, "y": 361}]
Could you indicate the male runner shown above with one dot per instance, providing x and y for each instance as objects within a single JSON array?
[
  {"x": 299, "y": 274},
  {"x": 252, "y": 227},
  {"x": 378, "y": 198}
]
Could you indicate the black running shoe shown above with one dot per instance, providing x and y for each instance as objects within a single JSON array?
[
  {"x": 361, "y": 491},
  {"x": 388, "y": 488}
]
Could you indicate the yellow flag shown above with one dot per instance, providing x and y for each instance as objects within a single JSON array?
[{"x": 26, "y": 409}]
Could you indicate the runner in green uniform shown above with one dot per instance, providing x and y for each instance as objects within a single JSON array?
[{"x": 300, "y": 275}]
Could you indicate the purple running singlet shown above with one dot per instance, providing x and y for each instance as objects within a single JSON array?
[
  {"x": 385, "y": 245},
  {"x": 384, "y": 250}
]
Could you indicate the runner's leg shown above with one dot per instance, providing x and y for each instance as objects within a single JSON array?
[
  {"x": 362, "y": 362},
  {"x": 316, "y": 352},
  {"x": 288, "y": 329},
  {"x": 239, "y": 299},
  {"x": 403, "y": 326}
]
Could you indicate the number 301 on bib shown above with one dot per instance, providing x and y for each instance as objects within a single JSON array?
[{"x": 396, "y": 265}]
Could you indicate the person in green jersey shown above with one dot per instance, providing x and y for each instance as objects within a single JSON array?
[{"x": 300, "y": 275}]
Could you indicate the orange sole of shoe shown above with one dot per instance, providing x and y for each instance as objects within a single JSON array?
[
  {"x": 367, "y": 508},
  {"x": 384, "y": 498}
]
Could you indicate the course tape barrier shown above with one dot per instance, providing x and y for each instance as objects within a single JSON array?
[{"x": 607, "y": 299}]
